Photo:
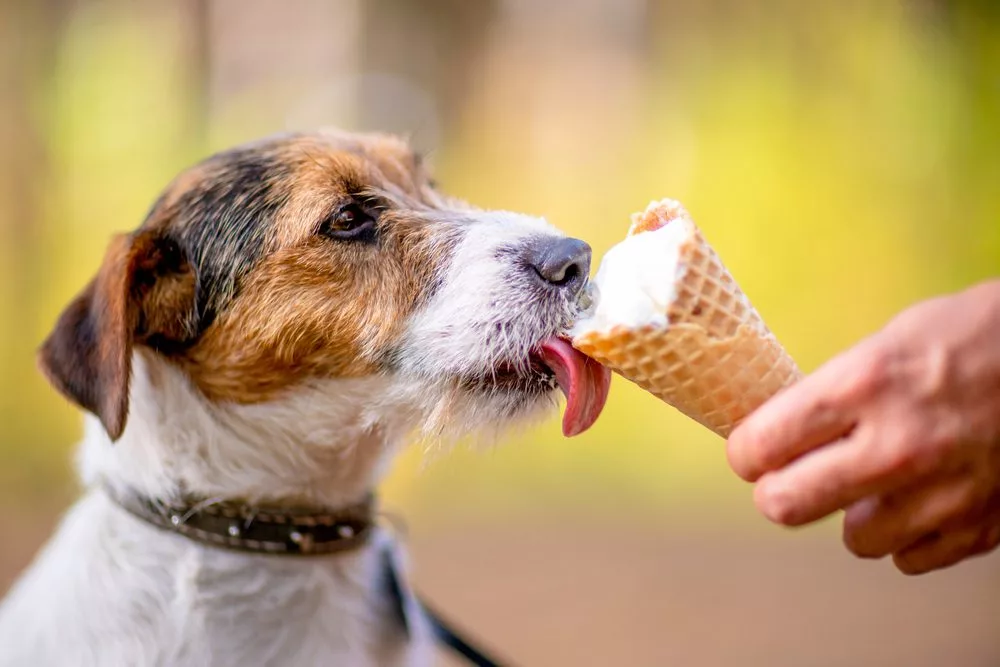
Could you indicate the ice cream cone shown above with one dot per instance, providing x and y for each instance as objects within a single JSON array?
[{"x": 698, "y": 344}]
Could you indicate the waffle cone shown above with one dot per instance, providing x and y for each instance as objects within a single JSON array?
[{"x": 715, "y": 360}]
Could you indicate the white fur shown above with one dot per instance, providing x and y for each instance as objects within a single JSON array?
[
  {"x": 482, "y": 290},
  {"x": 489, "y": 309},
  {"x": 111, "y": 590}
]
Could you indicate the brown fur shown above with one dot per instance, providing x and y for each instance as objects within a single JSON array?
[
  {"x": 315, "y": 307},
  {"x": 88, "y": 356},
  {"x": 308, "y": 306}
]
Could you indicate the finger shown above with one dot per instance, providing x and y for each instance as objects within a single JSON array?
[
  {"x": 820, "y": 408},
  {"x": 878, "y": 526},
  {"x": 941, "y": 550},
  {"x": 835, "y": 477}
]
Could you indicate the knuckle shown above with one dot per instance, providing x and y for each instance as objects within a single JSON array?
[
  {"x": 826, "y": 409},
  {"x": 899, "y": 456},
  {"x": 874, "y": 372},
  {"x": 934, "y": 373},
  {"x": 937, "y": 444},
  {"x": 925, "y": 458},
  {"x": 907, "y": 454},
  {"x": 945, "y": 433}
]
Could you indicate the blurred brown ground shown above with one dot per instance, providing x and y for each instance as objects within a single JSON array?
[
  {"x": 608, "y": 596},
  {"x": 564, "y": 593}
]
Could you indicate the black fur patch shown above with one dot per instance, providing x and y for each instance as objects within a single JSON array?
[{"x": 221, "y": 224}]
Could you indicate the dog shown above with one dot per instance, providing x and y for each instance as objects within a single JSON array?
[{"x": 249, "y": 360}]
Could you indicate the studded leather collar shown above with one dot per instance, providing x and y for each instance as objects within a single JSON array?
[
  {"x": 302, "y": 532},
  {"x": 256, "y": 529}
]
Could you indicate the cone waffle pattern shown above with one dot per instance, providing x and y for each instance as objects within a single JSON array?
[{"x": 716, "y": 361}]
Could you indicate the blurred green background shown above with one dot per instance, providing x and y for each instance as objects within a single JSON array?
[{"x": 842, "y": 157}]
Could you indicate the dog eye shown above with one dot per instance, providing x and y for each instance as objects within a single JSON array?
[{"x": 349, "y": 223}]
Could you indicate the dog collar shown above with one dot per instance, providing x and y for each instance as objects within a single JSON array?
[
  {"x": 303, "y": 532},
  {"x": 243, "y": 527}
]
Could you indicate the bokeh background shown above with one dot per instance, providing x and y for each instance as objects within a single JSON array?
[{"x": 843, "y": 157}]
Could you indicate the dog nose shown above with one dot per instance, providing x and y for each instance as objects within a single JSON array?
[{"x": 563, "y": 262}]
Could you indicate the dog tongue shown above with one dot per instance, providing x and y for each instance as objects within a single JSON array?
[{"x": 584, "y": 382}]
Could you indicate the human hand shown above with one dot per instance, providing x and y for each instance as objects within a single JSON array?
[{"x": 902, "y": 431}]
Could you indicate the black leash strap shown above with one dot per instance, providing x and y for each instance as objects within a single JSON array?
[
  {"x": 448, "y": 636},
  {"x": 409, "y": 604}
]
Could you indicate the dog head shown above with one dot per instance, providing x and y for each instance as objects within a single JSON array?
[{"x": 306, "y": 257}]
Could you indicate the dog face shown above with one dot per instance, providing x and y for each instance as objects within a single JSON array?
[{"x": 321, "y": 256}]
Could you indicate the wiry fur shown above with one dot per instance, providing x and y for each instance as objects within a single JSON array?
[
  {"x": 415, "y": 336},
  {"x": 502, "y": 318}
]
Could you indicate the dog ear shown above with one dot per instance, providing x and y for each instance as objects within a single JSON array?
[{"x": 143, "y": 293}]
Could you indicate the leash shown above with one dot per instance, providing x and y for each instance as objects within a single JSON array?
[
  {"x": 446, "y": 635},
  {"x": 409, "y": 604}
]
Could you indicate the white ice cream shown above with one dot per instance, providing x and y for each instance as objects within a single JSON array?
[{"x": 636, "y": 281}]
